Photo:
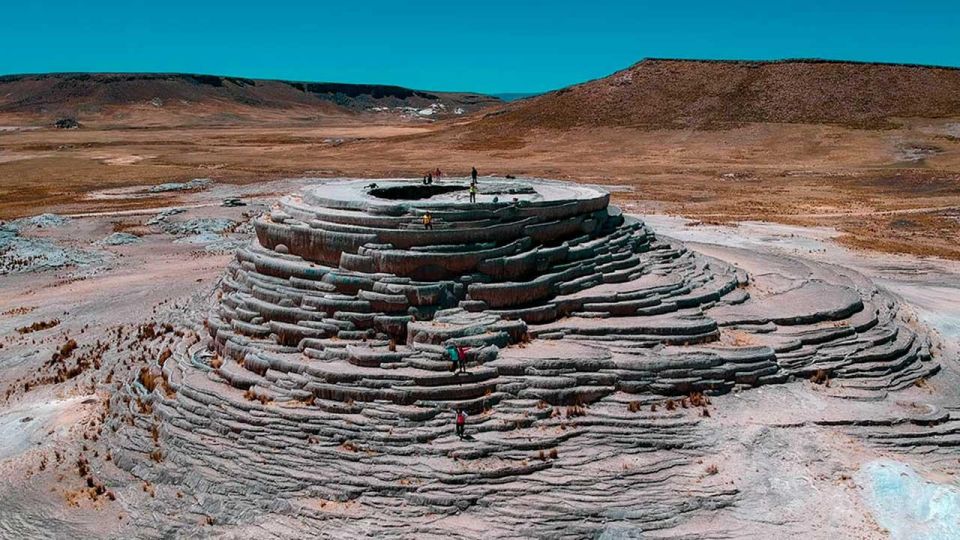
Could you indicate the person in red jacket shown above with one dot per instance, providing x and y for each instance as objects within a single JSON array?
[
  {"x": 461, "y": 422},
  {"x": 462, "y": 358}
]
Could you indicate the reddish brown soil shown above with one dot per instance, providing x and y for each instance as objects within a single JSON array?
[{"x": 714, "y": 94}]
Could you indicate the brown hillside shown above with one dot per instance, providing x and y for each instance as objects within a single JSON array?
[
  {"x": 118, "y": 96},
  {"x": 656, "y": 94}
]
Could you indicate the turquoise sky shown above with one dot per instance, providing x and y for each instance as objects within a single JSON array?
[{"x": 488, "y": 46}]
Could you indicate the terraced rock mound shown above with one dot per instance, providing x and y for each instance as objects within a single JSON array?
[{"x": 320, "y": 389}]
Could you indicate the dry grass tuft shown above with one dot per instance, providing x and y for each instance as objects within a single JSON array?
[
  {"x": 821, "y": 376},
  {"x": 697, "y": 399},
  {"x": 251, "y": 395},
  {"x": 574, "y": 411},
  {"x": 67, "y": 349},
  {"x": 38, "y": 326}
]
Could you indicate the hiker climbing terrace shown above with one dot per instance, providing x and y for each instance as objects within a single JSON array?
[{"x": 461, "y": 423}]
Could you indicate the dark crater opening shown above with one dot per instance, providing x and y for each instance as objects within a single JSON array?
[{"x": 413, "y": 192}]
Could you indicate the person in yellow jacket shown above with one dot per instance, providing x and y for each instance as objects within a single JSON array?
[
  {"x": 428, "y": 221},
  {"x": 473, "y": 193}
]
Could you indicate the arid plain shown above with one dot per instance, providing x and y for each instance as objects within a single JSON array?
[{"x": 893, "y": 190}]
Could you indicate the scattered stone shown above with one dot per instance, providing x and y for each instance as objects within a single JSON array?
[
  {"x": 199, "y": 226},
  {"x": 66, "y": 123},
  {"x": 119, "y": 239},
  {"x": 42, "y": 221},
  {"x": 27, "y": 254},
  {"x": 163, "y": 215},
  {"x": 232, "y": 202},
  {"x": 196, "y": 184}
]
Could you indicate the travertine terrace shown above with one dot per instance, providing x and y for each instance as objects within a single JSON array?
[{"x": 319, "y": 378}]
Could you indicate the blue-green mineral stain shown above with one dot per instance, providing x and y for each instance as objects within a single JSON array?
[{"x": 909, "y": 506}]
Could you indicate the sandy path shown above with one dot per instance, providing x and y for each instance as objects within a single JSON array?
[
  {"x": 139, "y": 211},
  {"x": 920, "y": 210}
]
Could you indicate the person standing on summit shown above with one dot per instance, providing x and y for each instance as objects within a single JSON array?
[{"x": 473, "y": 175}]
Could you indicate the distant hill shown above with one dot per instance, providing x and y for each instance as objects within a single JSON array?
[
  {"x": 118, "y": 95},
  {"x": 513, "y": 96},
  {"x": 660, "y": 93}
]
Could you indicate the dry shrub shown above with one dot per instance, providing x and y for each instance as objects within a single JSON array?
[
  {"x": 216, "y": 362},
  {"x": 542, "y": 456},
  {"x": 741, "y": 339},
  {"x": 250, "y": 395},
  {"x": 349, "y": 446},
  {"x": 23, "y": 310},
  {"x": 553, "y": 453},
  {"x": 67, "y": 349},
  {"x": 145, "y": 407},
  {"x": 821, "y": 376},
  {"x": 148, "y": 379},
  {"x": 147, "y": 331},
  {"x": 634, "y": 406},
  {"x": 697, "y": 399},
  {"x": 37, "y": 326},
  {"x": 671, "y": 406},
  {"x": 712, "y": 469},
  {"x": 83, "y": 468},
  {"x": 576, "y": 410}
]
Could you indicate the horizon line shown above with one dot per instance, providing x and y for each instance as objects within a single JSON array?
[{"x": 787, "y": 60}]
